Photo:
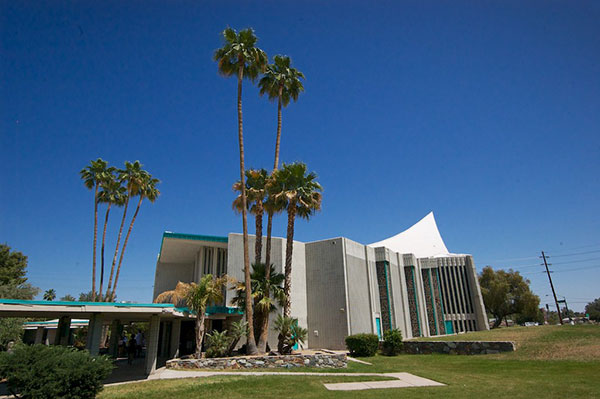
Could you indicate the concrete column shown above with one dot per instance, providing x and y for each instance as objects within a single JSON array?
[
  {"x": 421, "y": 303},
  {"x": 39, "y": 335},
  {"x": 63, "y": 330},
  {"x": 94, "y": 333},
  {"x": 152, "y": 344},
  {"x": 116, "y": 329},
  {"x": 406, "y": 330},
  {"x": 479, "y": 307},
  {"x": 175, "y": 337}
]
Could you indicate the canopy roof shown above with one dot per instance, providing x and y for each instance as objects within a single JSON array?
[{"x": 423, "y": 240}]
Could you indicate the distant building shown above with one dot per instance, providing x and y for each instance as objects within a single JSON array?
[{"x": 340, "y": 287}]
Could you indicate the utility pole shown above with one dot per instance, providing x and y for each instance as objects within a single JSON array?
[
  {"x": 564, "y": 300},
  {"x": 552, "y": 286}
]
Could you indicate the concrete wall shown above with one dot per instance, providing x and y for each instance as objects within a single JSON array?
[
  {"x": 328, "y": 323},
  {"x": 169, "y": 274},
  {"x": 359, "y": 307}
]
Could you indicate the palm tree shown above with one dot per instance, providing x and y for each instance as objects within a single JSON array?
[
  {"x": 132, "y": 176},
  {"x": 92, "y": 175},
  {"x": 266, "y": 294},
  {"x": 301, "y": 194},
  {"x": 68, "y": 298},
  {"x": 240, "y": 56},
  {"x": 146, "y": 188},
  {"x": 49, "y": 295},
  {"x": 282, "y": 82},
  {"x": 113, "y": 193},
  {"x": 197, "y": 297},
  {"x": 256, "y": 194}
]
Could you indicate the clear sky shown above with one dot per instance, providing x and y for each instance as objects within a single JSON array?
[{"x": 487, "y": 113}]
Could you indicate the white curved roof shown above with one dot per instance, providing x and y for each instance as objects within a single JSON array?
[{"x": 423, "y": 240}]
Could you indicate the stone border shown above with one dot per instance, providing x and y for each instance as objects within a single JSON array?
[
  {"x": 458, "y": 347},
  {"x": 324, "y": 360}
]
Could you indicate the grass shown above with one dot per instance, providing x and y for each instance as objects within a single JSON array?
[{"x": 553, "y": 361}]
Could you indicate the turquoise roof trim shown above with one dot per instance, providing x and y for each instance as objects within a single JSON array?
[
  {"x": 198, "y": 237},
  {"x": 76, "y": 303}
]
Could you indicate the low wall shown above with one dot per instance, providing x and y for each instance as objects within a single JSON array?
[
  {"x": 458, "y": 347},
  {"x": 269, "y": 362}
]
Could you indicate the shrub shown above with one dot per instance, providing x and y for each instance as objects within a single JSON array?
[
  {"x": 217, "y": 344},
  {"x": 362, "y": 344},
  {"x": 392, "y": 342},
  {"x": 290, "y": 334},
  {"x": 40, "y": 371}
]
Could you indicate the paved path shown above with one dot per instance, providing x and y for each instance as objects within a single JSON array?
[{"x": 397, "y": 380}]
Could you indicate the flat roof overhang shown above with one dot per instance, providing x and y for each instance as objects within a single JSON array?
[
  {"x": 84, "y": 310},
  {"x": 182, "y": 248}
]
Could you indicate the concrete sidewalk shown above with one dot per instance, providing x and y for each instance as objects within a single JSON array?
[{"x": 397, "y": 380}]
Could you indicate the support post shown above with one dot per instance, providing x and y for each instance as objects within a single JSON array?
[
  {"x": 63, "y": 330},
  {"x": 116, "y": 329},
  {"x": 175, "y": 338},
  {"x": 39, "y": 335},
  {"x": 152, "y": 344},
  {"x": 94, "y": 333}
]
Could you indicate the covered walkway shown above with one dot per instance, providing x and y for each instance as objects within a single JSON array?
[{"x": 164, "y": 321}]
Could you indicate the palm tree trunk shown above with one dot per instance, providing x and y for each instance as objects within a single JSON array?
[
  {"x": 200, "y": 332},
  {"x": 250, "y": 344},
  {"x": 289, "y": 247},
  {"x": 95, "y": 239},
  {"x": 258, "y": 245},
  {"x": 278, "y": 139},
  {"x": 264, "y": 330},
  {"x": 114, "y": 261},
  {"x": 114, "y": 289},
  {"x": 102, "y": 253}
]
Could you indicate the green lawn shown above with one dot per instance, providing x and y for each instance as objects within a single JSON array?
[{"x": 551, "y": 361}]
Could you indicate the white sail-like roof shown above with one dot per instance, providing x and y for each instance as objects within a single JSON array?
[{"x": 423, "y": 240}]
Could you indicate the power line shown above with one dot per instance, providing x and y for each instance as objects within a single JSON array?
[
  {"x": 552, "y": 286},
  {"x": 576, "y": 253},
  {"x": 573, "y": 261}
]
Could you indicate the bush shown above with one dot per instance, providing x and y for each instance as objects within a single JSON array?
[
  {"x": 217, "y": 344},
  {"x": 392, "y": 342},
  {"x": 40, "y": 371},
  {"x": 362, "y": 344},
  {"x": 290, "y": 334}
]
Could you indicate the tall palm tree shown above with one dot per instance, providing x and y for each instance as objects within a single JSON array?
[
  {"x": 132, "y": 177},
  {"x": 49, "y": 295},
  {"x": 256, "y": 195},
  {"x": 197, "y": 297},
  {"x": 146, "y": 189},
  {"x": 283, "y": 83},
  {"x": 240, "y": 56},
  {"x": 92, "y": 175},
  {"x": 301, "y": 194},
  {"x": 113, "y": 193}
]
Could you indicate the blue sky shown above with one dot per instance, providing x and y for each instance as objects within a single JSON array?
[{"x": 485, "y": 112}]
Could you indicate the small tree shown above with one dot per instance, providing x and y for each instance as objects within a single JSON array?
[
  {"x": 290, "y": 334},
  {"x": 237, "y": 330},
  {"x": 197, "y": 297},
  {"x": 507, "y": 293},
  {"x": 593, "y": 309}
]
